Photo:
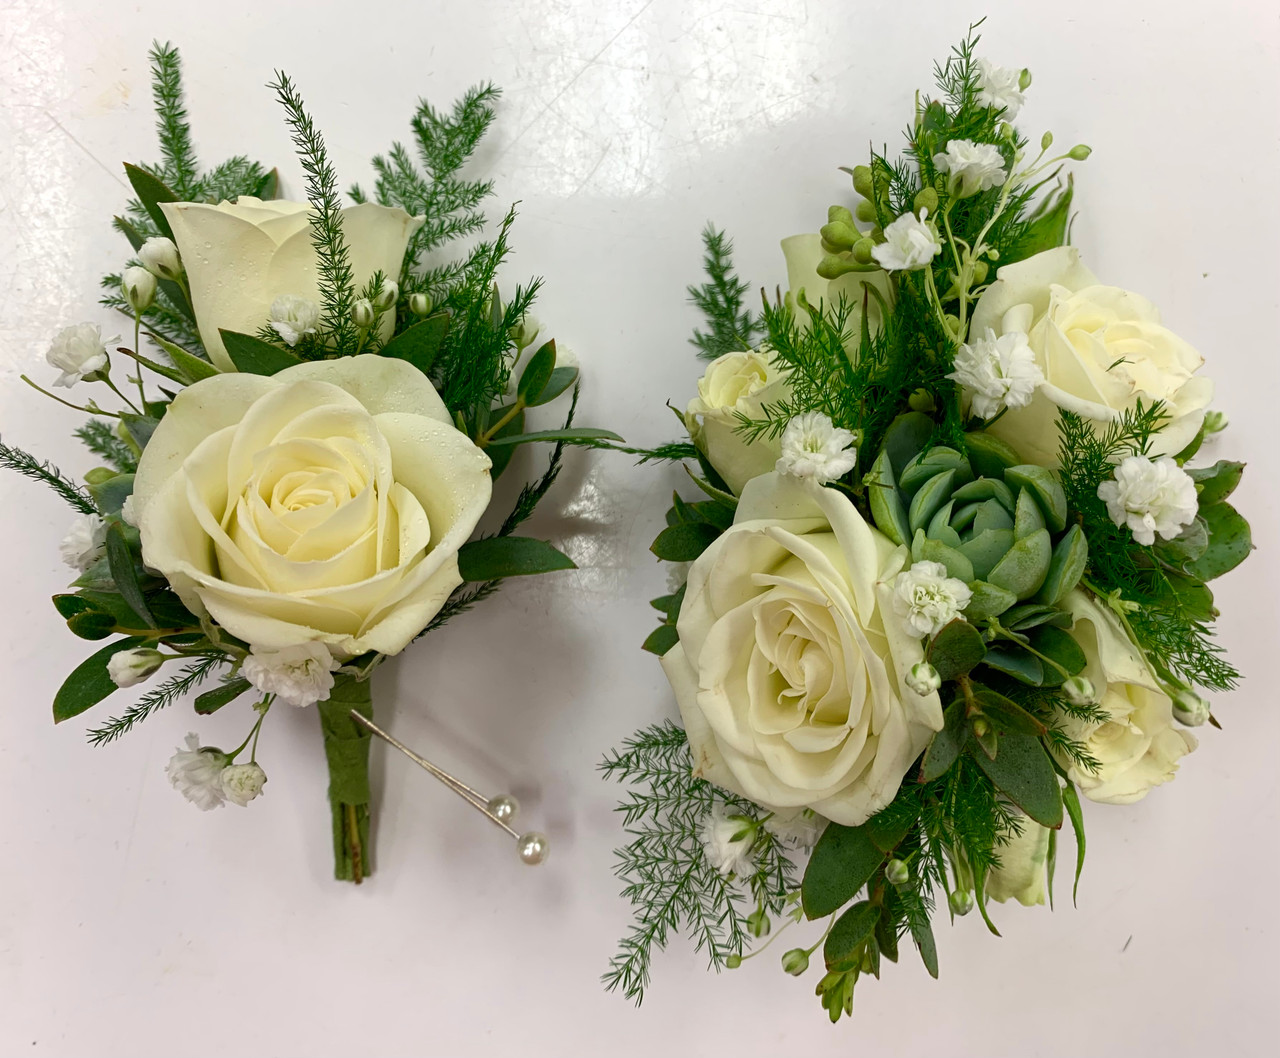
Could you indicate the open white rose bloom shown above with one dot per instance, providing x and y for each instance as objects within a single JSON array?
[
  {"x": 939, "y": 584},
  {"x": 324, "y": 503},
  {"x": 790, "y": 668}
]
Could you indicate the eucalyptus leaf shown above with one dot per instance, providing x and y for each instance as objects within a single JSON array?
[
  {"x": 946, "y": 744},
  {"x": 956, "y": 650},
  {"x": 121, "y": 562},
  {"x": 1230, "y": 541},
  {"x": 684, "y": 542},
  {"x": 1023, "y": 772},
  {"x": 254, "y": 356},
  {"x": 1005, "y": 715},
  {"x": 842, "y": 862},
  {"x": 922, "y": 934},
  {"x": 1217, "y": 482},
  {"x": 844, "y": 945},
  {"x": 89, "y": 681},
  {"x": 537, "y": 373},
  {"x": 419, "y": 344},
  {"x": 561, "y": 379},
  {"x": 1012, "y": 660},
  {"x": 661, "y": 639},
  {"x": 495, "y": 557}
]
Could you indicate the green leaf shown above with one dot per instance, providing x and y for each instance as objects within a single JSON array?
[
  {"x": 92, "y": 624},
  {"x": 140, "y": 427},
  {"x": 120, "y": 560},
  {"x": 956, "y": 649},
  {"x": 1230, "y": 541},
  {"x": 501, "y": 456},
  {"x": 1012, "y": 660},
  {"x": 420, "y": 344},
  {"x": 576, "y": 435},
  {"x": 669, "y": 605},
  {"x": 509, "y": 556},
  {"x": 1006, "y": 716},
  {"x": 1047, "y": 227},
  {"x": 843, "y": 861},
  {"x": 537, "y": 373},
  {"x": 1061, "y": 647},
  {"x": 1071, "y": 800},
  {"x": 726, "y": 499},
  {"x": 561, "y": 379},
  {"x": 905, "y": 437},
  {"x": 192, "y": 367},
  {"x": 89, "y": 681},
  {"x": 848, "y": 937},
  {"x": 151, "y": 191},
  {"x": 1217, "y": 482},
  {"x": 254, "y": 356},
  {"x": 1188, "y": 546},
  {"x": 68, "y": 605},
  {"x": 661, "y": 639},
  {"x": 922, "y": 934},
  {"x": 212, "y": 701},
  {"x": 684, "y": 542},
  {"x": 946, "y": 744},
  {"x": 1023, "y": 773}
]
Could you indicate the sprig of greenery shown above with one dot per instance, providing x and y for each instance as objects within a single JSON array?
[
  {"x": 29, "y": 466},
  {"x": 333, "y": 259},
  {"x": 670, "y": 882},
  {"x": 730, "y": 325},
  {"x": 179, "y": 171},
  {"x": 157, "y": 698},
  {"x": 102, "y": 440}
]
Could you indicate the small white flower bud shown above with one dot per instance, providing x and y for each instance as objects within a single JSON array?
[
  {"x": 1079, "y": 690},
  {"x": 1024, "y": 79},
  {"x": 139, "y": 288},
  {"x": 130, "y": 667},
  {"x": 1079, "y": 152},
  {"x": 923, "y": 679},
  {"x": 1189, "y": 708},
  {"x": 419, "y": 303},
  {"x": 961, "y": 902},
  {"x": 362, "y": 314},
  {"x": 159, "y": 256},
  {"x": 732, "y": 962},
  {"x": 795, "y": 962},
  {"x": 241, "y": 783},
  {"x": 897, "y": 873},
  {"x": 1214, "y": 422},
  {"x": 1046, "y": 141},
  {"x": 387, "y": 295},
  {"x": 758, "y": 924}
]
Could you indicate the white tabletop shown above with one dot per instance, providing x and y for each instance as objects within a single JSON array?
[{"x": 132, "y": 924}]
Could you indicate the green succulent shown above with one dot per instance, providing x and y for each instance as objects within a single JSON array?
[{"x": 996, "y": 523}]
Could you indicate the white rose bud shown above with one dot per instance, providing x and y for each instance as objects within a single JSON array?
[
  {"x": 362, "y": 314},
  {"x": 139, "y": 288},
  {"x": 241, "y": 783},
  {"x": 159, "y": 256},
  {"x": 130, "y": 667},
  {"x": 795, "y": 962},
  {"x": 1079, "y": 690},
  {"x": 387, "y": 295},
  {"x": 923, "y": 679},
  {"x": 897, "y": 873},
  {"x": 1189, "y": 709},
  {"x": 79, "y": 352},
  {"x": 419, "y": 303}
]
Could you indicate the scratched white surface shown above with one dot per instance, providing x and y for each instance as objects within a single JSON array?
[{"x": 131, "y": 924}]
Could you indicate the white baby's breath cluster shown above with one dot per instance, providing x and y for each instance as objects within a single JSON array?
[
  {"x": 298, "y": 675},
  {"x": 1001, "y": 87},
  {"x": 971, "y": 167},
  {"x": 814, "y": 448},
  {"x": 293, "y": 318},
  {"x": 911, "y": 242},
  {"x": 727, "y": 848},
  {"x": 997, "y": 373},
  {"x": 927, "y": 598},
  {"x": 85, "y": 542},
  {"x": 205, "y": 776},
  {"x": 79, "y": 352},
  {"x": 1152, "y": 497}
]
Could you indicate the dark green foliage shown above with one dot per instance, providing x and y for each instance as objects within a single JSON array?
[
  {"x": 730, "y": 325},
  {"x": 333, "y": 259},
  {"x": 668, "y": 880},
  {"x": 39, "y": 470}
]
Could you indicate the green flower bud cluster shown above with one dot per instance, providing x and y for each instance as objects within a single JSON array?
[
  {"x": 848, "y": 248},
  {"x": 994, "y": 522}
]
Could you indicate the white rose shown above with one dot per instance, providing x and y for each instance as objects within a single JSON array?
[
  {"x": 1100, "y": 349},
  {"x": 240, "y": 256},
  {"x": 324, "y": 504},
  {"x": 1022, "y": 874},
  {"x": 804, "y": 253},
  {"x": 736, "y": 382},
  {"x": 1139, "y": 747},
  {"x": 791, "y": 670}
]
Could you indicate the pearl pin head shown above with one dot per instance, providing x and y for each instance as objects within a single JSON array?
[{"x": 533, "y": 848}]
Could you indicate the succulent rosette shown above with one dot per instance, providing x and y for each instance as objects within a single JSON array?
[{"x": 945, "y": 584}]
